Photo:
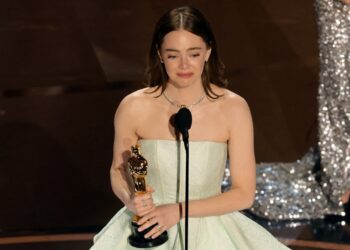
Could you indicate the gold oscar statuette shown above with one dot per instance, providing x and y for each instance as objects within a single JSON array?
[{"x": 137, "y": 165}]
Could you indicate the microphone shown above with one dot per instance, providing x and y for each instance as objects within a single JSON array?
[{"x": 183, "y": 122}]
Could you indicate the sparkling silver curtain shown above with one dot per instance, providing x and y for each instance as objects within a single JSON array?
[
  {"x": 310, "y": 188},
  {"x": 334, "y": 98}
]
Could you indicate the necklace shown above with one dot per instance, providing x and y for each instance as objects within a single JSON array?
[{"x": 175, "y": 103}]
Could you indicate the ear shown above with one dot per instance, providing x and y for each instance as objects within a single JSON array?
[
  {"x": 160, "y": 57},
  {"x": 207, "y": 55}
]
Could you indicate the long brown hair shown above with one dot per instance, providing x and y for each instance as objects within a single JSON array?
[{"x": 192, "y": 20}]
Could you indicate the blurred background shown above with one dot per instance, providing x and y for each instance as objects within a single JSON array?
[{"x": 65, "y": 66}]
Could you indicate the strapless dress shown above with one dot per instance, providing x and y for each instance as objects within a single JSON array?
[{"x": 166, "y": 174}]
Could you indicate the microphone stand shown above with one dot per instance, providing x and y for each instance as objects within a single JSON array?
[
  {"x": 183, "y": 122},
  {"x": 185, "y": 139}
]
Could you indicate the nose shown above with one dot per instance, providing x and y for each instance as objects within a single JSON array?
[{"x": 183, "y": 62}]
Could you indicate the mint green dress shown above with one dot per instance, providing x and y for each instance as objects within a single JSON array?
[{"x": 166, "y": 174}]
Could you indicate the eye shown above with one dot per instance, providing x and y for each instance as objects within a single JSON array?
[
  {"x": 171, "y": 56},
  {"x": 195, "y": 55}
]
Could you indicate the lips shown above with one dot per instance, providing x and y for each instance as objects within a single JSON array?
[{"x": 184, "y": 75}]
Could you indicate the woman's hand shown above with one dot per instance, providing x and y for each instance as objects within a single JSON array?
[
  {"x": 141, "y": 204},
  {"x": 163, "y": 217}
]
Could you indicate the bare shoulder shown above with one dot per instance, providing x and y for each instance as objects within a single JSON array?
[
  {"x": 138, "y": 100},
  {"x": 235, "y": 114},
  {"x": 234, "y": 107},
  {"x": 230, "y": 101},
  {"x": 233, "y": 101},
  {"x": 132, "y": 111}
]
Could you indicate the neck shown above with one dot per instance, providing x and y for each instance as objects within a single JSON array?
[{"x": 185, "y": 95}]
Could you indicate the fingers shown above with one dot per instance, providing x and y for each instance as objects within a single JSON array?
[
  {"x": 143, "y": 203},
  {"x": 156, "y": 228},
  {"x": 146, "y": 221},
  {"x": 160, "y": 219},
  {"x": 155, "y": 232},
  {"x": 145, "y": 210}
]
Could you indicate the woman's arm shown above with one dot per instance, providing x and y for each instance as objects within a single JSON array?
[
  {"x": 242, "y": 165},
  {"x": 125, "y": 121}
]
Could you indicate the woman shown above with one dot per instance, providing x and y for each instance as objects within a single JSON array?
[{"x": 184, "y": 69}]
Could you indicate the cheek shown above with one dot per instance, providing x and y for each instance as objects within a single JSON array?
[
  {"x": 199, "y": 62},
  {"x": 169, "y": 68},
  {"x": 201, "y": 65}
]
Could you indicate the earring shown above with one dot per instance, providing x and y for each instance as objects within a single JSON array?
[{"x": 161, "y": 60}]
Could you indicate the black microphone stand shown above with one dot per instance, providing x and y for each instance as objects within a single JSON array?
[
  {"x": 183, "y": 122},
  {"x": 185, "y": 139}
]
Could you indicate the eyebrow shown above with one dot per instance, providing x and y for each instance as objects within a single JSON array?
[{"x": 176, "y": 50}]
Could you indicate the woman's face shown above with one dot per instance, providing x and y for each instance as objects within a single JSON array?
[{"x": 184, "y": 55}]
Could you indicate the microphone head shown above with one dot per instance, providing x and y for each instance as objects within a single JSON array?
[{"x": 183, "y": 119}]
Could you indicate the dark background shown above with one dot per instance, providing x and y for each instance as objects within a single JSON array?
[{"x": 65, "y": 65}]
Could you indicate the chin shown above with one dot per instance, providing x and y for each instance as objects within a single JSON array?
[{"x": 183, "y": 83}]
